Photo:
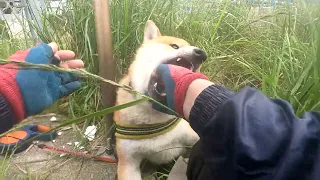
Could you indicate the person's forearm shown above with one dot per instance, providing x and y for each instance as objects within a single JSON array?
[
  {"x": 203, "y": 98},
  {"x": 195, "y": 88}
]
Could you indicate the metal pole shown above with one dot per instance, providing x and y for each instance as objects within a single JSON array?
[
  {"x": 107, "y": 64},
  {"x": 26, "y": 9},
  {"x": 36, "y": 9}
]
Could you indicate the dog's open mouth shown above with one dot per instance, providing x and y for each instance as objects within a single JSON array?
[
  {"x": 158, "y": 84},
  {"x": 156, "y": 88},
  {"x": 181, "y": 62}
]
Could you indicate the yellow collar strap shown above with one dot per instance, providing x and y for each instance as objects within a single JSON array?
[{"x": 144, "y": 131}]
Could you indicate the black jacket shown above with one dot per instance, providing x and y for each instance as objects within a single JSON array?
[{"x": 250, "y": 136}]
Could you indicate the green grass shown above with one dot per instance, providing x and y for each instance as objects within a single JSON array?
[
  {"x": 268, "y": 49},
  {"x": 276, "y": 50}
]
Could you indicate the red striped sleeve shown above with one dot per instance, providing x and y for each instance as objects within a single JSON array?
[
  {"x": 11, "y": 92},
  {"x": 9, "y": 87}
]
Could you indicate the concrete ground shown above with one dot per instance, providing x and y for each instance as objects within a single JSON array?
[
  {"x": 36, "y": 163},
  {"x": 178, "y": 171}
]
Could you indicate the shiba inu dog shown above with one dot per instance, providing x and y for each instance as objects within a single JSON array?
[{"x": 161, "y": 144}]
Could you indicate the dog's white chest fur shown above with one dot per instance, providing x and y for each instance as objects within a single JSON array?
[{"x": 162, "y": 148}]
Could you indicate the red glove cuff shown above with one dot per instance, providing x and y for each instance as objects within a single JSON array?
[
  {"x": 181, "y": 89},
  {"x": 9, "y": 89}
]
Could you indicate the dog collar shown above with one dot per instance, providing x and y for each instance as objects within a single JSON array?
[{"x": 144, "y": 131}]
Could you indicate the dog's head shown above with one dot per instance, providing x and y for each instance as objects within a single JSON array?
[{"x": 157, "y": 49}]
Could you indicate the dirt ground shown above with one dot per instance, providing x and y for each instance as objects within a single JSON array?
[{"x": 36, "y": 163}]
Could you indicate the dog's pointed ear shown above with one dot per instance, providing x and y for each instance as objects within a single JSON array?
[{"x": 151, "y": 31}]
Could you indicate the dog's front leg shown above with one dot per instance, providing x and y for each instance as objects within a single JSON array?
[{"x": 129, "y": 168}]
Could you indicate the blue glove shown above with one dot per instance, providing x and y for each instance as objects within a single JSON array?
[{"x": 40, "y": 89}]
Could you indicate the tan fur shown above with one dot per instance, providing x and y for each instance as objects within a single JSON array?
[{"x": 153, "y": 51}]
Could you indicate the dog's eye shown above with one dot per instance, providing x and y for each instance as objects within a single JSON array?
[{"x": 174, "y": 46}]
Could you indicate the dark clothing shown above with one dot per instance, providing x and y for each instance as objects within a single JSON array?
[
  {"x": 6, "y": 116},
  {"x": 197, "y": 169},
  {"x": 250, "y": 136}
]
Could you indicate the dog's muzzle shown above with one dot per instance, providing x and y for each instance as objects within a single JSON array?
[{"x": 190, "y": 60}]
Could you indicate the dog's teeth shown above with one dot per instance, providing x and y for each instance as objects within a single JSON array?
[
  {"x": 192, "y": 67},
  {"x": 178, "y": 59}
]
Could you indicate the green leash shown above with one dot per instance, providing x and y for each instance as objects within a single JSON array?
[{"x": 144, "y": 131}]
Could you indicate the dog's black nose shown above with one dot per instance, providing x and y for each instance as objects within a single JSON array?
[{"x": 200, "y": 54}]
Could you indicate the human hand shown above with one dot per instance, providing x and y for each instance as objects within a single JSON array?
[
  {"x": 169, "y": 85},
  {"x": 38, "y": 89}
]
